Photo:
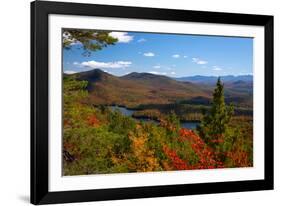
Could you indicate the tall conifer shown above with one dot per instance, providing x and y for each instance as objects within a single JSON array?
[{"x": 215, "y": 122}]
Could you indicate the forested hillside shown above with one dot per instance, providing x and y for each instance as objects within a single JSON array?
[{"x": 98, "y": 140}]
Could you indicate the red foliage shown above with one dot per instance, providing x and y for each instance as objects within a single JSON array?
[
  {"x": 207, "y": 157},
  {"x": 177, "y": 162},
  {"x": 93, "y": 121}
]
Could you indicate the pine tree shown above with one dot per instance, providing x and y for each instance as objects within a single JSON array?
[
  {"x": 88, "y": 40},
  {"x": 215, "y": 122}
]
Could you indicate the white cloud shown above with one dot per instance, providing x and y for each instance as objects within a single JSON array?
[
  {"x": 122, "y": 37},
  {"x": 176, "y": 56},
  {"x": 141, "y": 40},
  {"x": 216, "y": 68},
  {"x": 75, "y": 63},
  {"x": 184, "y": 56},
  {"x": 199, "y": 61},
  {"x": 149, "y": 54},
  {"x": 158, "y": 73},
  {"x": 106, "y": 65},
  {"x": 173, "y": 73},
  {"x": 157, "y": 67},
  {"x": 69, "y": 72}
]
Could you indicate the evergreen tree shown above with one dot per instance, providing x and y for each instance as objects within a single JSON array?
[
  {"x": 215, "y": 122},
  {"x": 88, "y": 40}
]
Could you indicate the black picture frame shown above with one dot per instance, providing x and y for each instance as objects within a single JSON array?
[{"x": 39, "y": 102}]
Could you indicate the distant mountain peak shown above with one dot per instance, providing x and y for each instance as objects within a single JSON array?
[
  {"x": 143, "y": 76},
  {"x": 94, "y": 71},
  {"x": 93, "y": 75}
]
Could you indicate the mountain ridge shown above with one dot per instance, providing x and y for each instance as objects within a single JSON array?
[
  {"x": 193, "y": 78},
  {"x": 212, "y": 79},
  {"x": 144, "y": 88},
  {"x": 137, "y": 88}
]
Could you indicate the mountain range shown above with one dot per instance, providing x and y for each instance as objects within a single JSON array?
[
  {"x": 136, "y": 89},
  {"x": 212, "y": 79}
]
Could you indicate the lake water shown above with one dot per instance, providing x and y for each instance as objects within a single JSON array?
[
  {"x": 123, "y": 110},
  {"x": 189, "y": 125},
  {"x": 129, "y": 112}
]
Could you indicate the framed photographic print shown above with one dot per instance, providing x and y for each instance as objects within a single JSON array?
[{"x": 133, "y": 102}]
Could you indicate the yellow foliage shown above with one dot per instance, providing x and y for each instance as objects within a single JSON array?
[
  {"x": 144, "y": 157},
  {"x": 141, "y": 158}
]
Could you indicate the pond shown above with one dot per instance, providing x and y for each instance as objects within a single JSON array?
[{"x": 129, "y": 112}]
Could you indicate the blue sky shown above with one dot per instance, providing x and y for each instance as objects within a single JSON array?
[{"x": 172, "y": 55}]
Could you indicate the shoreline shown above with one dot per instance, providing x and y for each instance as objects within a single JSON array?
[{"x": 139, "y": 117}]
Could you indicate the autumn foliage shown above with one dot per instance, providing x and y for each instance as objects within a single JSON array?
[
  {"x": 93, "y": 121},
  {"x": 98, "y": 140}
]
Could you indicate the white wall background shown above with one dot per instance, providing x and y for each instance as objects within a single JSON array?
[{"x": 14, "y": 102}]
